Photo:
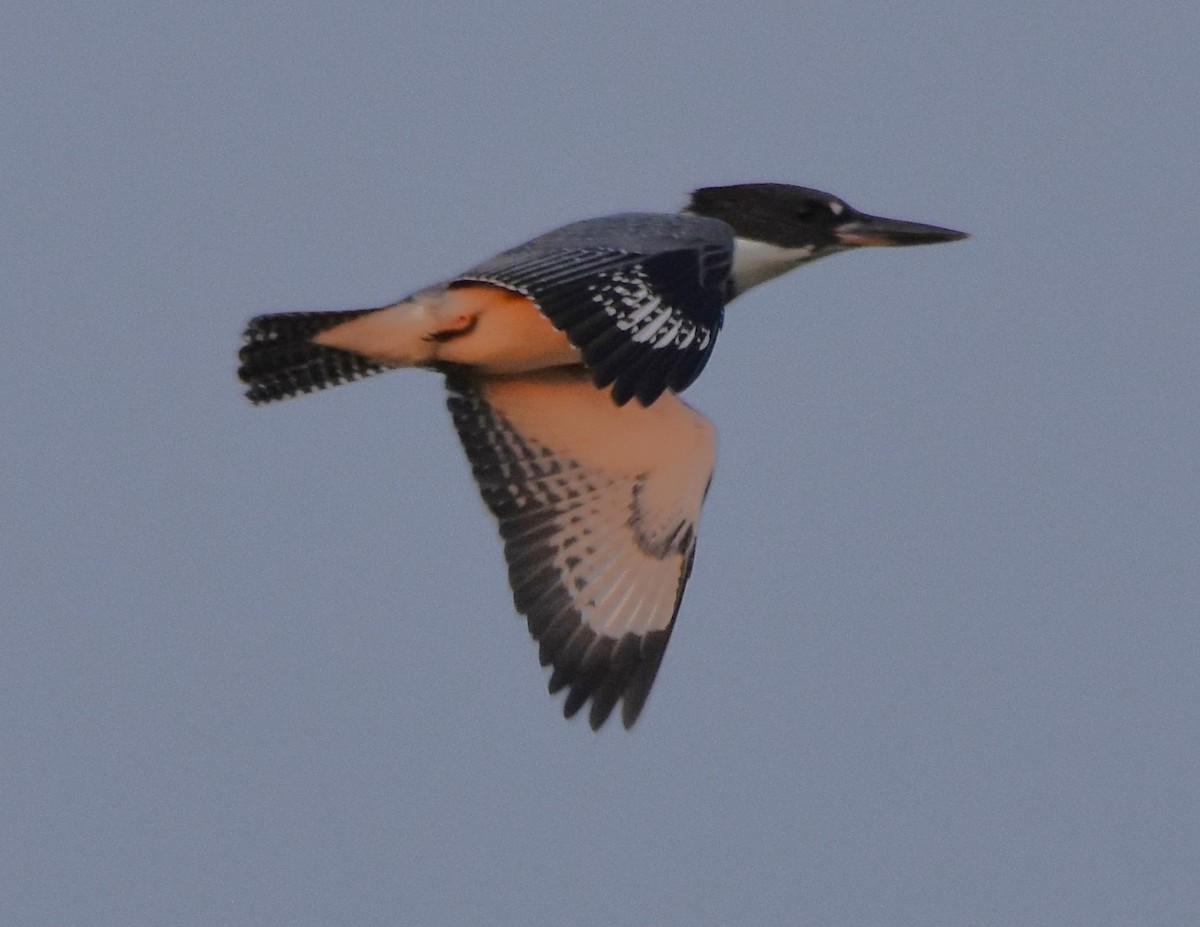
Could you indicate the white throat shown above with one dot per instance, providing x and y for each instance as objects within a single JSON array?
[{"x": 756, "y": 262}]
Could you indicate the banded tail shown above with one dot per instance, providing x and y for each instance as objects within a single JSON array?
[
  {"x": 280, "y": 359},
  {"x": 487, "y": 328}
]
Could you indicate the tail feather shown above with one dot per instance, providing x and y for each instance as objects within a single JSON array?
[{"x": 280, "y": 360}]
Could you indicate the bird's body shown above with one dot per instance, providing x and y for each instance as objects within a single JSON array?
[{"x": 544, "y": 347}]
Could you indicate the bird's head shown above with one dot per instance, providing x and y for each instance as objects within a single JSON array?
[{"x": 779, "y": 226}]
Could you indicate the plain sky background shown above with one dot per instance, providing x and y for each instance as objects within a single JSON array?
[{"x": 939, "y": 662}]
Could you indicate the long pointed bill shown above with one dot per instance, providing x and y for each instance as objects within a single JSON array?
[{"x": 873, "y": 231}]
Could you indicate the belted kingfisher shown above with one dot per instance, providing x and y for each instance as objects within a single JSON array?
[{"x": 544, "y": 347}]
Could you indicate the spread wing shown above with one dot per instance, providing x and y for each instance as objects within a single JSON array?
[
  {"x": 644, "y": 322},
  {"x": 598, "y": 506}
]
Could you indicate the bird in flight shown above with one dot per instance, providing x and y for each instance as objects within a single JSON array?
[{"x": 563, "y": 359}]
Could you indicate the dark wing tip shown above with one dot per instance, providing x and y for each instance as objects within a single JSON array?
[
  {"x": 593, "y": 666},
  {"x": 637, "y": 688},
  {"x": 607, "y": 671}
]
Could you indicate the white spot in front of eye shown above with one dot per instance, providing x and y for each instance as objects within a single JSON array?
[{"x": 836, "y": 208}]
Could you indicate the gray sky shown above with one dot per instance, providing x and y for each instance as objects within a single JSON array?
[{"x": 938, "y": 662}]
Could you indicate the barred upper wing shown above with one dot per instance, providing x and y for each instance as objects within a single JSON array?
[
  {"x": 644, "y": 322},
  {"x": 598, "y": 506}
]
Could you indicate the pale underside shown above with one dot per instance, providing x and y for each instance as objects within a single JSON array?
[
  {"x": 487, "y": 328},
  {"x": 597, "y": 503}
]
